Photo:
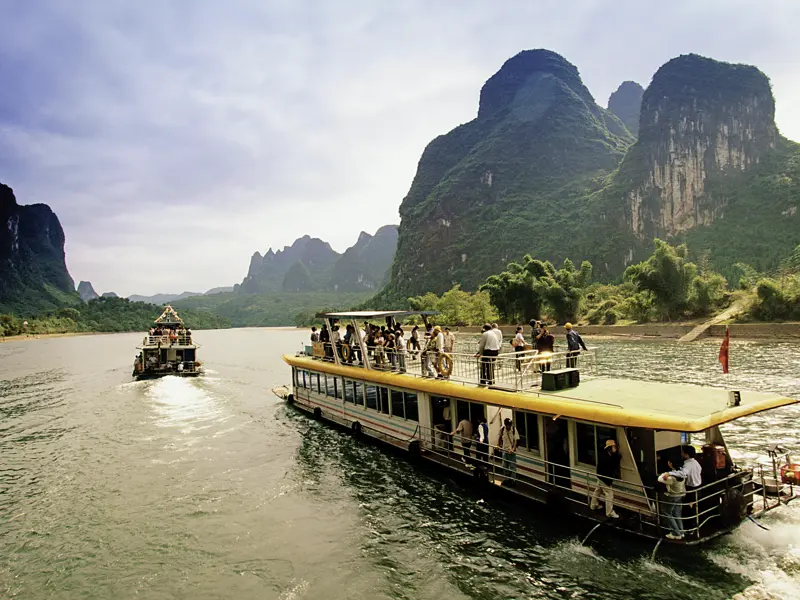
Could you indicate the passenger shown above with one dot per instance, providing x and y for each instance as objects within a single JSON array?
[
  {"x": 325, "y": 338},
  {"x": 519, "y": 346},
  {"x": 400, "y": 345},
  {"x": 379, "y": 351},
  {"x": 414, "y": 341},
  {"x": 348, "y": 339},
  {"x": 509, "y": 438},
  {"x": 391, "y": 350},
  {"x": 488, "y": 349},
  {"x": 465, "y": 429},
  {"x": 431, "y": 354},
  {"x": 672, "y": 505},
  {"x": 544, "y": 345},
  {"x": 536, "y": 329},
  {"x": 449, "y": 341},
  {"x": 482, "y": 445},
  {"x": 608, "y": 469},
  {"x": 314, "y": 335},
  {"x": 691, "y": 472},
  {"x": 336, "y": 340},
  {"x": 498, "y": 333},
  {"x": 574, "y": 345},
  {"x": 355, "y": 345}
]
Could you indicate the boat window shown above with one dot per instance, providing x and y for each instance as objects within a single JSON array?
[
  {"x": 349, "y": 396},
  {"x": 320, "y": 383},
  {"x": 397, "y": 404},
  {"x": 304, "y": 375},
  {"x": 412, "y": 410},
  {"x": 331, "y": 390},
  {"x": 384, "y": 396},
  {"x": 472, "y": 411},
  {"x": 591, "y": 440},
  {"x": 359, "y": 392},
  {"x": 372, "y": 396},
  {"x": 294, "y": 377},
  {"x": 338, "y": 386}
]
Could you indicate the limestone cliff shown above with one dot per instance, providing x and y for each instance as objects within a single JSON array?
[
  {"x": 700, "y": 119},
  {"x": 86, "y": 291},
  {"x": 33, "y": 270}
]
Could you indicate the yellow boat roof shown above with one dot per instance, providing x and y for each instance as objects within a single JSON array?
[{"x": 619, "y": 402}]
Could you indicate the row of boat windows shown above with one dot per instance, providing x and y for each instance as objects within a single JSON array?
[
  {"x": 395, "y": 403},
  {"x": 590, "y": 439}
]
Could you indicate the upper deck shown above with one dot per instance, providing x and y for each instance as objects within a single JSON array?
[{"x": 619, "y": 402}]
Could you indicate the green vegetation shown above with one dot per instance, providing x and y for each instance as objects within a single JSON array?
[
  {"x": 103, "y": 314},
  {"x": 457, "y": 306},
  {"x": 270, "y": 309}
]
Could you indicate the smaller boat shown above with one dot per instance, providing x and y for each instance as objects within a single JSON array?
[{"x": 167, "y": 349}]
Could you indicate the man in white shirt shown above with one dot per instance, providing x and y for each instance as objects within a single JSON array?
[
  {"x": 449, "y": 340},
  {"x": 400, "y": 346},
  {"x": 488, "y": 349},
  {"x": 499, "y": 334},
  {"x": 691, "y": 472}
]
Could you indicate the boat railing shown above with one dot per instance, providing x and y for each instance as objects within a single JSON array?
[
  {"x": 514, "y": 371},
  {"x": 713, "y": 506},
  {"x": 165, "y": 340}
]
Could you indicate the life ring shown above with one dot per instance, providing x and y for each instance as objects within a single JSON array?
[
  {"x": 317, "y": 413},
  {"x": 790, "y": 473},
  {"x": 347, "y": 352},
  {"x": 356, "y": 427},
  {"x": 445, "y": 364}
]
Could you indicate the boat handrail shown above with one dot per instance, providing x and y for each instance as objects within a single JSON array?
[
  {"x": 164, "y": 340},
  {"x": 519, "y": 371}
]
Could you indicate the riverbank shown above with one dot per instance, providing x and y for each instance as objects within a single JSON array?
[
  {"x": 41, "y": 336},
  {"x": 742, "y": 331}
]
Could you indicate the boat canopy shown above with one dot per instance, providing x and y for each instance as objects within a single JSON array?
[
  {"x": 169, "y": 317},
  {"x": 375, "y": 314},
  {"x": 618, "y": 402}
]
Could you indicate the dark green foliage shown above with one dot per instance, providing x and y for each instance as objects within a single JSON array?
[
  {"x": 626, "y": 103},
  {"x": 107, "y": 315},
  {"x": 298, "y": 279},
  {"x": 777, "y": 300}
]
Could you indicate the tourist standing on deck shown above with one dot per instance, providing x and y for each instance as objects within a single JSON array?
[
  {"x": 672, "y": 505},
  {"x": 574, "y": 345},
  {"x": 488, "y": 349},
  {"x": 499, "y": 334},
  {"x": 314, "y": 335},
  {"x": 608, "y": 469},
  {"x": 325, "y": 338},
  {"x": 509, "y": 438},
  {"x": 465, "y": 429},
  {"x": 414, "y": 341},
  {"x": 449, "y": 341},
  {"x": 519, "y": 346},
  {"x": 691, "y": 471},
  {"x": 536, "y": 329},
  {"x": 400, "y": 343},
  {"x": 544, "y": 345}
]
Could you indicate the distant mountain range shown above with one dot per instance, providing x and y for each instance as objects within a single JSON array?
[
  {"x": 310, "y": 265},
  {"x": 166, "y": 298}
]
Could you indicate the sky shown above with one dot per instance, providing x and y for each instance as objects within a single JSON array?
[{"x": 174, "y": 138}]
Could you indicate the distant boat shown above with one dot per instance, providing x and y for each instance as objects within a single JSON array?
[{"x": 167, "y": 349}]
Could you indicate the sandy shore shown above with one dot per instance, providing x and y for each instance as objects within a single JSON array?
[{"x": 41, "y": 336}]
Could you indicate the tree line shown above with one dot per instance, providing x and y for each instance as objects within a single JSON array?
[{"x": 667, "y": 286}]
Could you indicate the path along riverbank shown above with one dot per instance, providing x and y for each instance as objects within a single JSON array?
[{"x": 743, "y": 331}]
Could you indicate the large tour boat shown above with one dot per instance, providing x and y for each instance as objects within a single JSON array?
[
  {"x": 563, "y": 413},
  {"x": 167, "y": 349}
]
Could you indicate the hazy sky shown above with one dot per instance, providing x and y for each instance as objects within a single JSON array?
[{"x": 175, "y": 138}]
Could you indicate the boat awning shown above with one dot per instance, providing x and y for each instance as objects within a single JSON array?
[
  {"x": 618, "y": 402},
  {"x": 375, "y": 314}
]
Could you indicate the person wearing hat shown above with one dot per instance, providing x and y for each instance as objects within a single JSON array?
[
  {"x": 608, "y": 469},
  {"x": 509, "y": 438},
  {"x": 574, "y": 345},
  {"x": 432, "y": 350}
]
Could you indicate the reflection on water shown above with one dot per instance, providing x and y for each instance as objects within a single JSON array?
[{"x": 212, "y": 488}]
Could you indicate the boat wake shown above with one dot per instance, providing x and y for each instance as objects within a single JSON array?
[
  {"x": 770, "y": 559},
  {"x": 177, "y": 402}
]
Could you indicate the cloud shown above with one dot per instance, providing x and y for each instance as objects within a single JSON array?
[{"x": 175, "y": 138}]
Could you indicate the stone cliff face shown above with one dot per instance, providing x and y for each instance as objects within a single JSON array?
[
  {"x": 86, "y": 291},
  {"x": 486, "y": 192},
  {"x": 33, "y": 270},
  {"x": 626, "y": 103},
  {"x": 700, "y": 120}
]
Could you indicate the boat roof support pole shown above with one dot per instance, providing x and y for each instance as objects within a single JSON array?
[
  {"x": 333, "y": 344},
  {"x": 362, "y": 343}
]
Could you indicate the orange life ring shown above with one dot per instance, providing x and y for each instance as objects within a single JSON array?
[
  {"x": 445, "y": 364},
  {"x": 790, "y": 473}
]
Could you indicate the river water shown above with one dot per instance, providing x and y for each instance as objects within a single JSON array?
[{"x": 213, "y": 488}]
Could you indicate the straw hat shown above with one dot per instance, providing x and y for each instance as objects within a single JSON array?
[{"x": 610, "y": 443}]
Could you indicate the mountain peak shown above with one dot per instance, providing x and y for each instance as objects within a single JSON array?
[
  {"x": 86, "y": 291},
  {"x": 626, "y": 103},
  {"x": 519, "y": 71}
]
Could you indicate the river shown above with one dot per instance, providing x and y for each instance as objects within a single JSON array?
[{"x": 213, "y": 488}]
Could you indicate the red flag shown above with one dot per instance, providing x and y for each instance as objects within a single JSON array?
[{"x": 724, "y": 350}]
